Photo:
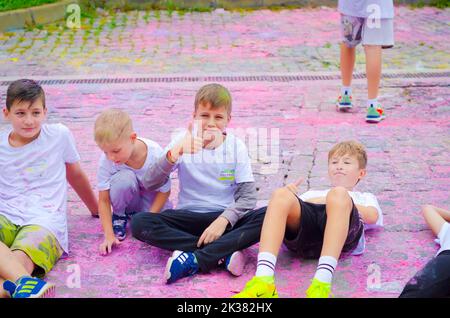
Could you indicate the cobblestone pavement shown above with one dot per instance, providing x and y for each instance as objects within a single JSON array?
[
  {"x": 408, "y": 152},
  {"x": 217, "y": 42}
]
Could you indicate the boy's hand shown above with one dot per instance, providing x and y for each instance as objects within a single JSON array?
[
  {"x": 191, "y": 143},
  {"x": 293, "y": 187},
  {"x": 213, "y": 231},
  {"x": 106, "y": 246}
]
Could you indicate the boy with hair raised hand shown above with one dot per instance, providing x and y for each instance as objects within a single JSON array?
[{"x": 214, "y": 218}]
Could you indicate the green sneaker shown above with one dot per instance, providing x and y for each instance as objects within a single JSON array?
[
  {"x": 318, "y": 289},
  {"x": 344, "y": 102},
  {"x": 375, "y": 115},
  {"x": 259, "y": 287}
]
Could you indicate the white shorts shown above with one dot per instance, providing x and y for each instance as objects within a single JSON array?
[{"x": 357, "y": 30}]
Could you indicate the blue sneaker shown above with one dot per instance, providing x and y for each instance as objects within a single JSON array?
[
  {"x": 179, "y": 265},
  {"x": 9, "y": 287},
  {"x": 234, "y": 263},
  {"x": 119, "y": 224},
  {"x": 29, "y": 287}
]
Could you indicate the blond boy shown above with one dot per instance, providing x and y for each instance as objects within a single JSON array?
[
  {"x": 125, "y": 159},
  {"x": 318, "y": 224}
]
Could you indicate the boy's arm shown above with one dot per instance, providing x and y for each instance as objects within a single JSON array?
[
  {"x": 318, "y": 200},
  {"x": 435, "y": 217},
  {"x": 159, "y": 201},
  {"x": 79, "y": 181},
  {"x": 245, "y": 199},
  {"x": 158, "y": 174},
  {"x": 369, "y": 214},
  {"x": 104, "y": 205}
]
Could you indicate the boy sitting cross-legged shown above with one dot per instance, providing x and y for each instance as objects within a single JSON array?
[{"x": 214, "y": 219}]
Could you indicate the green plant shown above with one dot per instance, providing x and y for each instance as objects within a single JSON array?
[{"x": 6, "y": 5}]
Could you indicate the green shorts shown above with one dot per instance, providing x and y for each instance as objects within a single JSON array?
[{"x": 37, "y": 242}]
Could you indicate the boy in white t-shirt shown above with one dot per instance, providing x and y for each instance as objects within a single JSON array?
[
  {"x": 214, "y": 219},
  {"x": 369, "y": 22},
  {"x": 318, "y": 224},
  {"x": 122, "y": 166},
  {"x": 36, "y": 161},
  {"x": 433, "y": 280}
]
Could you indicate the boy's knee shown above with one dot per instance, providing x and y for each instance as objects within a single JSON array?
[
  {"x": 124, "y": 179},
  {"x": 135, "y": 224},
  {"x": 122, "y": 182},
  {"x": 338, "y": 194},
  {"x": 141, "y": 225},
  {"x": 282, "y": 193},
  {"x": 372, "y": 48}
]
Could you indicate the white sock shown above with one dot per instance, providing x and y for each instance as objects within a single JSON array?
[
  {"x": 325, "y": 269},
  {"x": 372, "y": 102},
  {"x": 266, "y": 264},
  {"x": 346, "y": 90}
]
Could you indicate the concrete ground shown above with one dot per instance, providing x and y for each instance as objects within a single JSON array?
[{"x": 408, "y": 152}]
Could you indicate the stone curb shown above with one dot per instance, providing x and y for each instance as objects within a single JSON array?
[
  {"x": 228, "y": 4},
  {"x": 46, "y": 13}
]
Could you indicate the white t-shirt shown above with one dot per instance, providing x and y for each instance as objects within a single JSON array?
[
  {"x": 367, "y": 8},
  {"x": 108, "y": 168},
  {"x": 209, "y": 178},
  {"x": 33, "y": 185},
  {"x": 444, "y": 238},
  {"x": 361, "y": 198}
]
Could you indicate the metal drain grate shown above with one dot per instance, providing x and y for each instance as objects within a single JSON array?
[{"x": 230, "y": 78}]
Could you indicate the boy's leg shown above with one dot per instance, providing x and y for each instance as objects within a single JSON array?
[
  {"x": 171, "y": 229},
  {"x": 347, "y": 64},
  {"x": 351, "y": 30},
  {"x": 124, "y": 192},
  {"x": 267, "y": 224},
  {"x": 283, "y": 214},
  {"x": 245, "y": 233},
  {"x": 339, "y": 207},
  {"x": 10, "y": 267},
  {"x": 37, "y": 250},
  {"x": 432, "y": 281},
  {"x": 375, "y": 37},
  {"x": 373, "y": 70}
]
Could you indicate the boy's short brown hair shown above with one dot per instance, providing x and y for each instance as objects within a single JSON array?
[
  {"x": 352, "y": 148},
  {"x": 214, "y": 94},
  {"x": 111, "y": 125},
  {"x": 24, "y": 90}
]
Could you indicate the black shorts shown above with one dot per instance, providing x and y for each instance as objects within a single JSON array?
[
  {"x": 432, "y": 281},
  {"x": 308, "y": 240}
]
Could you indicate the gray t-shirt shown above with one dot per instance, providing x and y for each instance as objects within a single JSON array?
[{"x": 367, "y": 8}]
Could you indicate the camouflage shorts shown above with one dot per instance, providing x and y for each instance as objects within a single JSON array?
[{"x": 37, "y": 242}]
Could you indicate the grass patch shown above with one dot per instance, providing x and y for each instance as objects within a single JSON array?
[
  {"x": 6, "y": 5},
  {"x": 441, "y": 4}
]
